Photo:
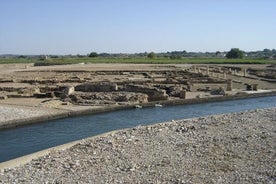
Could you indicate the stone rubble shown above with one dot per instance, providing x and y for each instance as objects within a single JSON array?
[{"x": 227, "y": 148}]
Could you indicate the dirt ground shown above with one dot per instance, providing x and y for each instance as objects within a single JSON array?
[
  {"x": 65, "y": 88},
  {"x": 16, "y": 77}
]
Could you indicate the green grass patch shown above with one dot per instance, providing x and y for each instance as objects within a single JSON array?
[{"x": 16, "y": 60}]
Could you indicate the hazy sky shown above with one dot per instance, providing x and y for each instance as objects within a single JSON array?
[{"x": 129, "y": 26}]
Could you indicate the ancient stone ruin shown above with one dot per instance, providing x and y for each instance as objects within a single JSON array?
[{"x": 85, "y": 87}]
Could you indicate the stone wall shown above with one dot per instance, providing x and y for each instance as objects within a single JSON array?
[
  {"x": 97, "y": 87},
  {"x": 96, "y": 98},
  {"x": 153, "y": 93}
]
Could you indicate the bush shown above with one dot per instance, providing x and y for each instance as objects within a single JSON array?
[
  {"x": 235, "y": 53},
  {"x": 93, "y": 54},
  {"x": 151, "y": 55}
]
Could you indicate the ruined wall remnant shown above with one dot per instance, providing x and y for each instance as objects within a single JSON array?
[
  {"x": 183, "y": 94},
  {"x": 10, "y": 89},
  {"x": 255, "y": 87},
  {"x": 29, "y": 91},
  {"x": 64, "y": 91},
  {"x": 67, "y": 90},
  {"x": 130, "y": 97},
  {"x": 245, "y": 72},
  {"x": 229, "y": 85},
  {"x": 3, "y": 97},
  {"x": 97, "y": 87},
  {"x": 251, "y": 87},
  {"x": 96, "y": 98},
  {"x": 153, "y": 93},
  {"x": 219, "y": 91},
  {"x": 43, "y": 95},
  {"x": 174, "y": 91}
]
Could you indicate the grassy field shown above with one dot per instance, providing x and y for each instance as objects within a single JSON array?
[{"x": 58, "y": 61}]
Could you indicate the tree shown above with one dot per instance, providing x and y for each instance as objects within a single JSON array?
[
  {"x": 218, "y": 53},
  {"x": 175, "y": 56},
  {"x": 93, "y": 54},
  {"x": 151, "y": 55},
  {"x": 235, "y": 53}
]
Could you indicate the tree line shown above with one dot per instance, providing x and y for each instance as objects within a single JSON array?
[{"x": 234, "y": 53}]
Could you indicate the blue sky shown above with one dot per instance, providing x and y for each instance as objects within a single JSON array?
[{"x": 130, "y": 26}]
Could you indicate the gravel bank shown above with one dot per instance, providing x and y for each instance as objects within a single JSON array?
[
  {"x": 11, "y": 115},
  {"x": 228, "y": 148}
]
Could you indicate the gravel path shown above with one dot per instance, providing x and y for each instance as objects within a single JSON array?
[
  {"x": 12, "y": 113},
  {"x": 229, "y": 148}
]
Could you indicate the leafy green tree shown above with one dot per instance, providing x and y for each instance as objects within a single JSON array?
[
  {"x": 151, "y": 55},
  {"x": 174, "y": 56},
  {"x": 22, "y": 57},
  {"x": 93, "y": 54},
  {"x": 235, "y": 53}
]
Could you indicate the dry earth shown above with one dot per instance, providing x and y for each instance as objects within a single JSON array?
[
  {"x": 228, "y": 148},
  {"x": 35, "y": 91}
]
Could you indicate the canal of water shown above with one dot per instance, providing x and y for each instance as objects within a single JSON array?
[{"x": 28, "y": 139}]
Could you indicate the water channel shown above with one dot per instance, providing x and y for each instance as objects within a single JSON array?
[{"x": 28, "y": 139}]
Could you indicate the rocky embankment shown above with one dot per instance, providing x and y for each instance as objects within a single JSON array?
[{"x": 229, "y": 148}]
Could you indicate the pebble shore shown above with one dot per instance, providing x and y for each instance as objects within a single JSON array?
[
  {"x": 11, "y": 116},
  {"x": 227, "y": 148},
  {"x": 11, "y": 113}
]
